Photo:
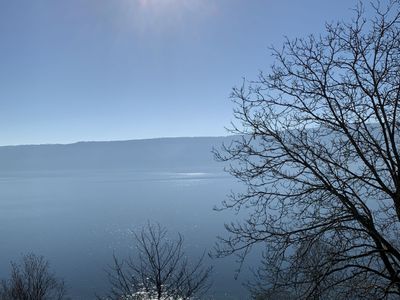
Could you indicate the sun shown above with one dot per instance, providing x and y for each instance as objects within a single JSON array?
[
  {"x": 168, "y": 6},
  {"x": 163, "y": 4},
  {"x": 146, "y": 16}
]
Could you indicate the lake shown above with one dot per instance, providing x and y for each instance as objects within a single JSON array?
[{"x": 78, "y": 219}]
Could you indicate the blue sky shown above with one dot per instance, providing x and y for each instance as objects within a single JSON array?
[{"x": 78, "y": 70}]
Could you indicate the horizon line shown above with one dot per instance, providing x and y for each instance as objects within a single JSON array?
[{"x": 117, "y": 140}]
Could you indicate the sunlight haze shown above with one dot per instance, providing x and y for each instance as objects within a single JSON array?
[{"x": 127, "y": 69}]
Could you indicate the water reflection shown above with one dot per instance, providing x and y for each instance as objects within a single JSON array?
[{"x": 77, "y": 219}]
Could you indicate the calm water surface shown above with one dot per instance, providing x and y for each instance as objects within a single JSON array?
[{"x": 78, "y": 219}]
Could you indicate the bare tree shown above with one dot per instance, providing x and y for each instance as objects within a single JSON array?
[
  {"x": 309, "y": 264},
  {"x": 160, "y": 270},
  {"x": 32, "y": 280},
  {"x": 319, "y": 154}
]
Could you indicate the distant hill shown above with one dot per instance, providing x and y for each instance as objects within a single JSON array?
[{"x": 163, "y": 154}]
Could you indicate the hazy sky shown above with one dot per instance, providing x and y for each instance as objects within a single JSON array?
[{"x": 76, "y": 70}]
